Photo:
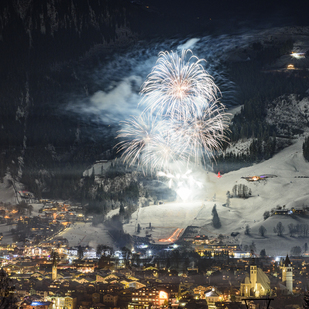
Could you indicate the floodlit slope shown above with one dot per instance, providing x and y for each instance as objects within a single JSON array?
[
  {"x": 284, "y": 189},
  {"x": 85, "y": 234}
]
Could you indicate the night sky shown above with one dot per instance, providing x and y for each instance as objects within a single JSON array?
[{"x": 227, "y": 13}]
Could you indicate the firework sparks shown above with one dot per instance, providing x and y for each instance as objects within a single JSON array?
[
  {"x": 138, "y": 134},
  {"x": 178, "y": 86},
  {"x": 149, "y": 142},
  {"x": 200, "y": 137},
  {"x": 182, "y": 120}
]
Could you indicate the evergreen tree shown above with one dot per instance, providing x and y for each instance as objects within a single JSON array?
[
  {"x": 266, "y": 215},
  {"x": 252, "y": 248},
  {"x": 92, "y": 176},
  {"x": 215, "y": 218},
  {"x": 296, "y": 251},
  {"x": 263, "y": 253},
  {"x": 80, "y": 252},
  {"x": 306, "y": 149},
  {"x": 247, "y": 230},
  {"x": 121, "y": 210}
]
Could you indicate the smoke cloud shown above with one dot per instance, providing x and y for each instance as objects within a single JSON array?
[
  {"x": 120, "y": 77},
  {"x": 188, "y": 45},
  {"x": 114, "y": 105}
]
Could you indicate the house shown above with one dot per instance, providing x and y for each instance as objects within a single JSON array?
[
  {"x": 110, "y": 299},
  {"x": 212, "y": 297}
]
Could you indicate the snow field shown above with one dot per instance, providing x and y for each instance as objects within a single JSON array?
[{"x": 284, "y": 189}]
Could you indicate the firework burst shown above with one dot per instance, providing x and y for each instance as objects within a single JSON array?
[
  {"x": 182, "y": 120},
  {"x": 178, "y": 86},
  {"x": 138, "y": 134},
  {"x": 149, "y": 142},
  {"x": 202, "y": 137}
]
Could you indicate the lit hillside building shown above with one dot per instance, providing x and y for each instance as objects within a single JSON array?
[{"x": 148, "y": 297}]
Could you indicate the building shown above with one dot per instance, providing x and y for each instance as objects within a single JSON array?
[
  {"x": 36, "y": 305},
  {"x": 213, "y": 296},
  {"x": 287, "y": 274},
  {"x": 54, "y": 267},
  {"x": 216, "y": 250},
  {"x": 154, "y": 297},
  {"x": 257, "y": 285},
  {"x": 62, "y": 302},
  {"x": 110, "y": 299}
]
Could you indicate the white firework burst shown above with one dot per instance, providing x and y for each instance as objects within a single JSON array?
[
  {"x": 178, "y": 86},
  {"x": 182, "y": 120}
]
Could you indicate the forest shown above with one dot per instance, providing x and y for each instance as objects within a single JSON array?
[{"x": 257, "y": 88}]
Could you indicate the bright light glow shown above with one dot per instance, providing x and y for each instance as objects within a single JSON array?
[
  {"x": 291, "y": 67},
  {"x": 184, "y": 193},
  {"x": 184, "y": 184},
  {"x": 182, "y": 121},
  {"x": 173, "y": 237},
  {"x": 163, "y": 295},
  {"x": 298, "y": 55}
]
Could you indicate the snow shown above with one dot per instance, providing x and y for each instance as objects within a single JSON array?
[
  {"x": 85, "y": 234},
  {"x": 112, "y": 213},
  {"x": 284, "y": 189},
  {"x": 9, "y": 189},
  {"x": 288, "y": 113}
]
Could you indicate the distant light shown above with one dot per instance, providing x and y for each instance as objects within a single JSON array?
[
  {"x": 163, "y": 294},
  {"x": 184, "y": 193},
  {"x": 291, "y": 67},
  {"x": 298, "y": 55}
]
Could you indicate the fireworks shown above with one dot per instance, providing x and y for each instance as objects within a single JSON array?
[
  {"x": 178, "y": 87},
  {"x": 182, "y": 118}
]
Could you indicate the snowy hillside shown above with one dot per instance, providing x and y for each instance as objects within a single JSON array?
[
  {"x": 285, "y": 189},
  {"x": 289, "y": 114}
]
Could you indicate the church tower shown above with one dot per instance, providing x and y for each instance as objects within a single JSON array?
[
  {"x": 54, "y": 267},
  {"x": 253, "y": 275},
  {"x": 287, "y": 274}
]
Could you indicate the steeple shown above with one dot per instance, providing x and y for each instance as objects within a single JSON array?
[
  {"x": 287, "y": 274},
  {"x": 54, "y": 267},
  {"x": 287, "y": 261}
]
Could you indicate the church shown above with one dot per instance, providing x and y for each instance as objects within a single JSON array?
[
  {"x": 257, "y": 285},
  {"x": 287, "y": 274}
]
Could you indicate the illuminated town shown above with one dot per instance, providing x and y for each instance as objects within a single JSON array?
[{"x": 181, "y": 271}]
